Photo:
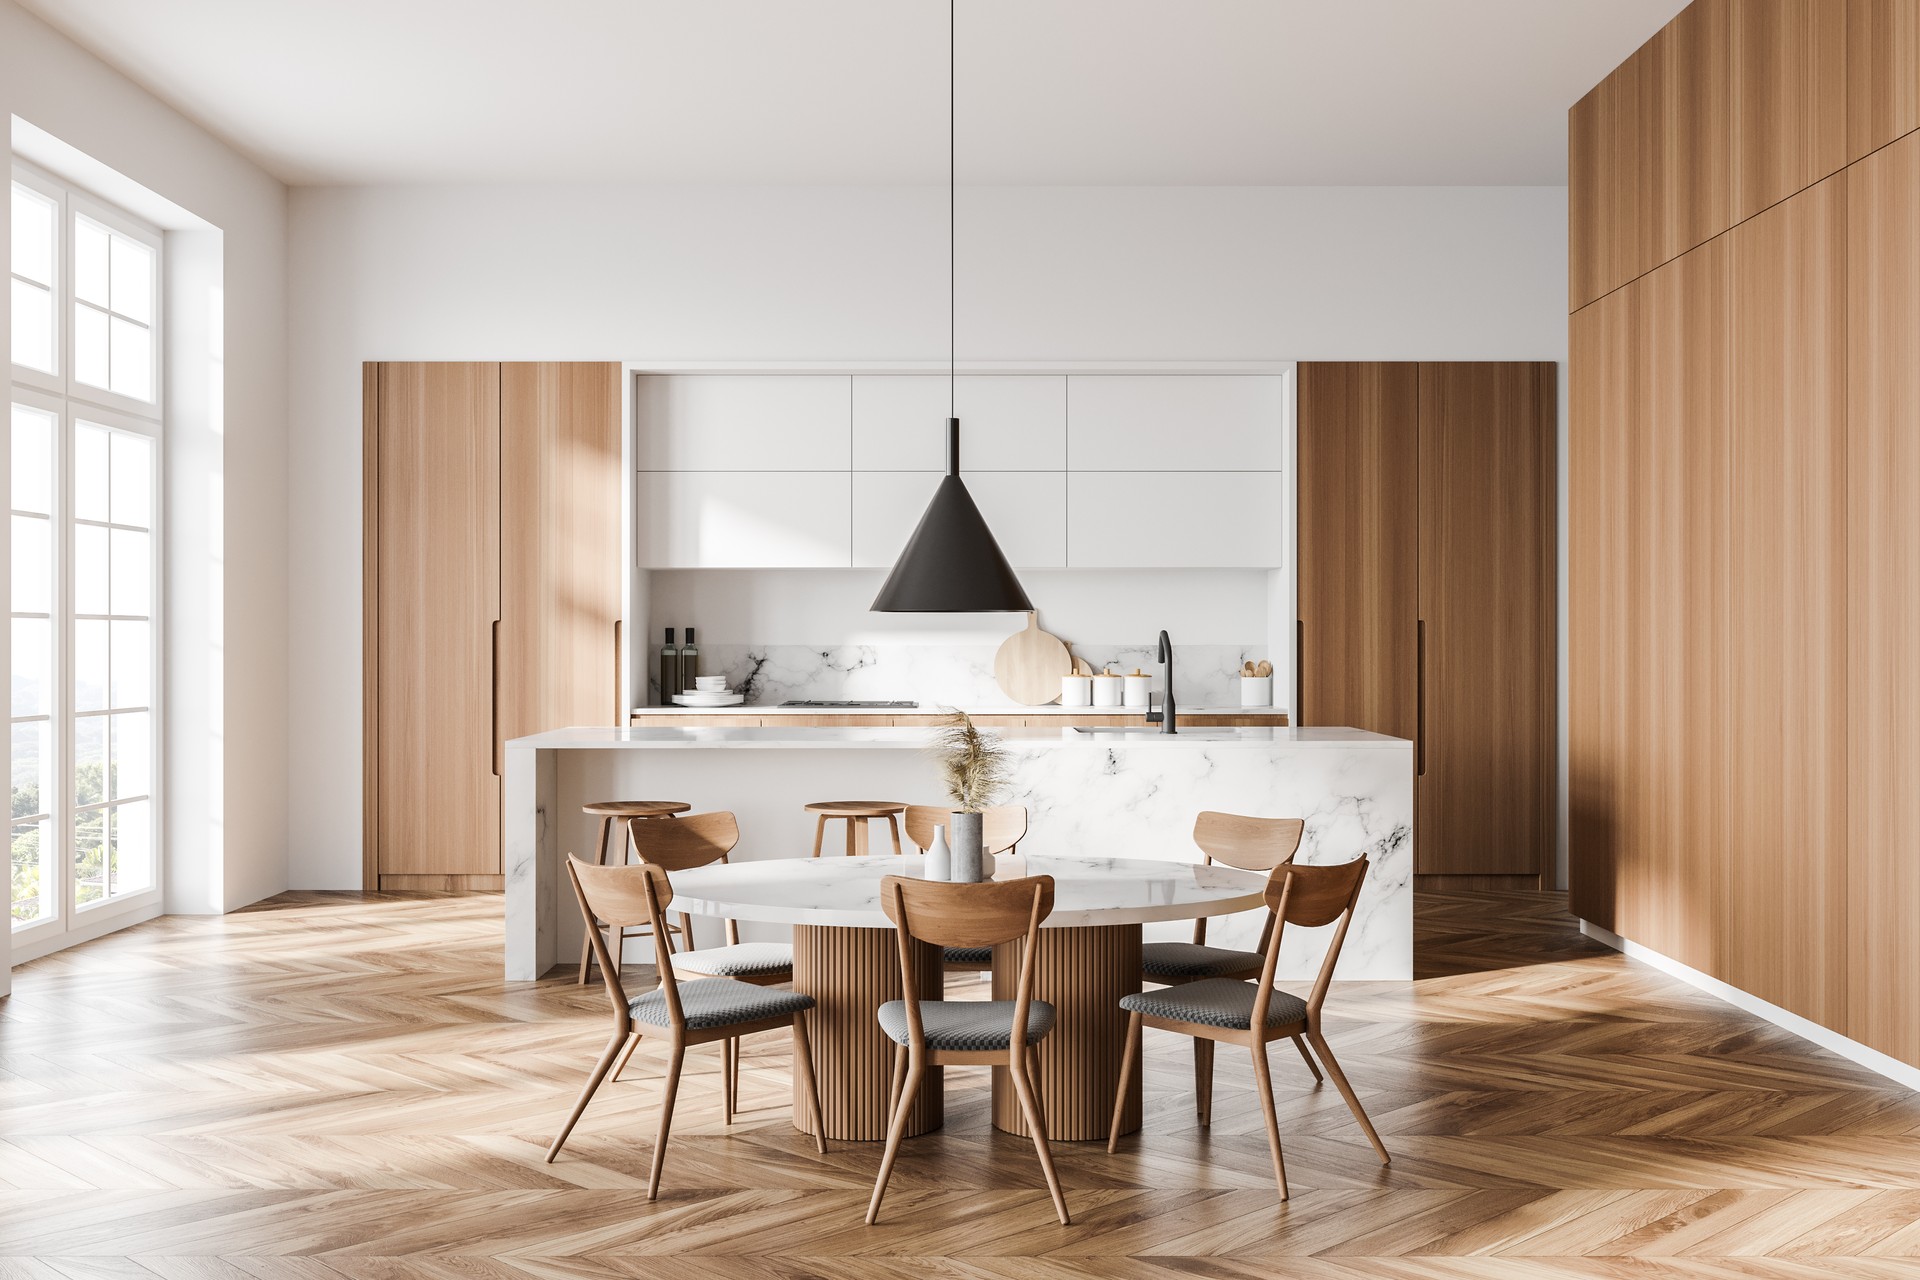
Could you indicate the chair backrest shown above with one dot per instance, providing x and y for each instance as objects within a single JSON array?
[
  {"x": 623, "y": 896},
  {"x": 1309, "y": 896},
  {"x": 1251, "y": 844},
  {"x": 680, "y": 844},
  {"x": 967, "y": 915},
  {"x": 1002, "y": 827}
]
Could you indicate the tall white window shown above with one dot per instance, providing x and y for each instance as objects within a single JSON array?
[{"x": 86, "y": 435}]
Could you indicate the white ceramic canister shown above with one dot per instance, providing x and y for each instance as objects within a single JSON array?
[
  {"x": 1107, "y": 689},
  {"x": 1076, "y": 691},
  {"x": 1256, "y": 691},
  {"x": 1138, "y": 687}
]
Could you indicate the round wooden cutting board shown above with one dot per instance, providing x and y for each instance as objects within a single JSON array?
[{"x": 1030, "y": 664}]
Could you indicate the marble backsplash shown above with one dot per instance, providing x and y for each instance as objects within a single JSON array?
[{"x": 951, "y": 675}]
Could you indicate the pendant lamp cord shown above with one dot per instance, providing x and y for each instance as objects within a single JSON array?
[{"x": 953, "y": 307}]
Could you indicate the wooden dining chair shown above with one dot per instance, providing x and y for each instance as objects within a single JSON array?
[
  {"x": 1251, "y": 844},
  {"x": 951, "y": 1033},
  {"x": 1253, "y": 1013},
  {"x": 698, "y": 1013},
  {"x": 701, "y": 840},
  {"x": 1002, "y": 828}
]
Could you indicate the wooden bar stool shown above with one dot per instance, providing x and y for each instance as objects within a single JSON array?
[
  {"x": 857, "y": 814},
  {"x": 610, "y": 812}
]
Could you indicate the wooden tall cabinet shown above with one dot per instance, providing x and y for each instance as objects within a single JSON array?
[
  {"x": 1427, "y": 557},
  {"x": 492, "y": 591}
]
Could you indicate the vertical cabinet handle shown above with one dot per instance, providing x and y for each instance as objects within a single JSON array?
[
  {"x": 1420, "y": 697},
  {"x": 1299, "y": 672},
  {"x": 493, "y": 698},
  {"x": 618, "y": 718}
]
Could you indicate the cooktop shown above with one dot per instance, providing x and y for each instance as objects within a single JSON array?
[{"x": 857, "y": 706}]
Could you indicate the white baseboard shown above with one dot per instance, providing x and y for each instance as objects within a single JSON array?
[{"x": 1872, "y": 1059}]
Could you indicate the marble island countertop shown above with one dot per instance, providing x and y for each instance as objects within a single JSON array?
[{"x": 611, "y": 737}]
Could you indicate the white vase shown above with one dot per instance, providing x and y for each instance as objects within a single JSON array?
[{"x": 939, "y": 861}]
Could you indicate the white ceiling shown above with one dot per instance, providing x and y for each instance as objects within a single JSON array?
[{"x": 853, "y": 91}]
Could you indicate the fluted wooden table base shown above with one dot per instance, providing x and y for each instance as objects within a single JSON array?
[
  {"x": 1083, "y": 972},
  {"x": 850, "y": 973}
]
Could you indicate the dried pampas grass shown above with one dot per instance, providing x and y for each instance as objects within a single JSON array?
[{"x": 974, "y": 764}]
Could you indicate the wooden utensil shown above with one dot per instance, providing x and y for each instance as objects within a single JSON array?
[
  {"x": 1246, "y": 670},
  {"x": 1264, "y": 670},
  {"x": 1029, "y": 665}
]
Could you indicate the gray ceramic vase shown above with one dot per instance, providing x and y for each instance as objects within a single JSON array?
[{"x": 969, "y": 862}]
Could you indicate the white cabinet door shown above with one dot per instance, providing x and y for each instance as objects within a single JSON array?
[
  {"x": 720, "y": 422},
  {"x": 1025, "y": 509},
  {"x": 1175, "y": 520},
  {"x": 743, "y": 520},
  {"x": 1011, "y": 422},
  {"x": 1176, "y": 422}
]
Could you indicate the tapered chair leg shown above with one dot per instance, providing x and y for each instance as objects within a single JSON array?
[
  {"x": 600, "y": 1069},
  {"x": 1203, "y": 1080},
  {"x": 1030, "y": 1108},
  {"x": 899, "y": 1079},
  {"x": 1325, "y": 1053},
  {"x": 739, "y": 1052},
  {"x": 1129, "y": 1062},
  {"x": 1307, "y": 1057},
  {"x": 728, "y": 1048},
  {"x": 803, "y": 1063},
  {"x": 633, "y": 1042},
  {"x": 895, "y": 1131},
  {"x": 1033, "y": 1077},
  {"x": 1263, "y": 1085},
  {"x": 666, "y": 1119}
]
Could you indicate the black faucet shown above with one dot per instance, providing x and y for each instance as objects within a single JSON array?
[{"x": 1167, "y": 724}]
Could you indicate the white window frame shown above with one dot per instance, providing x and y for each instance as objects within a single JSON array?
[{"x": 73, "y": 401}]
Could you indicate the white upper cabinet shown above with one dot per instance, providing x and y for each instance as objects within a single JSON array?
[
  {"x": 1013, "y": 422},
  {"x": 1027, "y": 511},
  {"x": 721, "y": 422},
  {"x": 1175, "y": 520},
  {"x": 743, "y": 520},
  {"x": 1175, "y": 422}
]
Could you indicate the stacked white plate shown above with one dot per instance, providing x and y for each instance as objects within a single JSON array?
[{"x": 709, "y": 698}]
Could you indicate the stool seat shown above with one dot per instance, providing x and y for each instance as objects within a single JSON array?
[
  {"x": 856, "y": 814},
  {"x": 635, "y": 808}
]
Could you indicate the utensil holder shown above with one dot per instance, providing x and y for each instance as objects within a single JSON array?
[{"x": 1256, "y": 691}]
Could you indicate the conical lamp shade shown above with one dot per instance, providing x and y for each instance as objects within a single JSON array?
[{"x": 952, "y": 563}]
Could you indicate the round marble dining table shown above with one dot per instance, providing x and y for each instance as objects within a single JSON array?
[{"x": 846, "y": 958}]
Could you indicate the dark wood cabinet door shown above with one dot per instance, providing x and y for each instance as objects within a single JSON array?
[
  {"x": 1359, "y": 497},
  {"x": 1486, "y": 678}
]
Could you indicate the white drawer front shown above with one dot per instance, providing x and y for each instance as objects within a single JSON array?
[
  {"x": 743, "y": 520},
  {"x": 1013, "y": 422},
  {"x": 1176, "y": 422},
  {"x": 720, "y": 422}
]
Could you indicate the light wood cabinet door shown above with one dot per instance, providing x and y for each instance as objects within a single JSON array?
[
  {"x": 1883, "y": 72},
  {"x": 1486, "y": 753},
  {"x": 1602, "y": 401},
  {"x": 433, "y": 432},
  {"x": 1681, "y": 177},
  {"x": 1883, "y": 599},
  {"x": 1788, "y": 608},
  {"x": 1359, "y": 501},
  {"x": 559, "y": 547},
  {"x": 1674, "y": 805},
  {"x": 1788, "y": 112}
]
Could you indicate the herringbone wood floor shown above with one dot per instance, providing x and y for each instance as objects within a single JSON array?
[{"x": 336, "y": 1085}]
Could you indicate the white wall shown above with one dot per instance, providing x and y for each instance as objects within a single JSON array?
[
  {"x": 667, "y": 276},
  {"x": 226, "y": 563}
]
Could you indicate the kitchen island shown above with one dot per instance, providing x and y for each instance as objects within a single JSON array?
[{"x": 1112, "y": 793}]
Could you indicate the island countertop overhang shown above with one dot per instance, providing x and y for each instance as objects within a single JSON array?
[{"x": 615, "y": 737}]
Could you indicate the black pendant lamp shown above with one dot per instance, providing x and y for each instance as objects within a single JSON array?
[{"x": 951, "y": 563}]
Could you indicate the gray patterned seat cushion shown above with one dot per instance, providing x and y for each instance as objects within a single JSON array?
[
  {"x": 742, "y": 959},
  {"x": 966, "y": 1026},
  {"x": 718, "y": 1002},
  {"x": 1217, "y": 1002},
  {"x": 968, "y": 955},
  {"x": 1191, "y": 960}
]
